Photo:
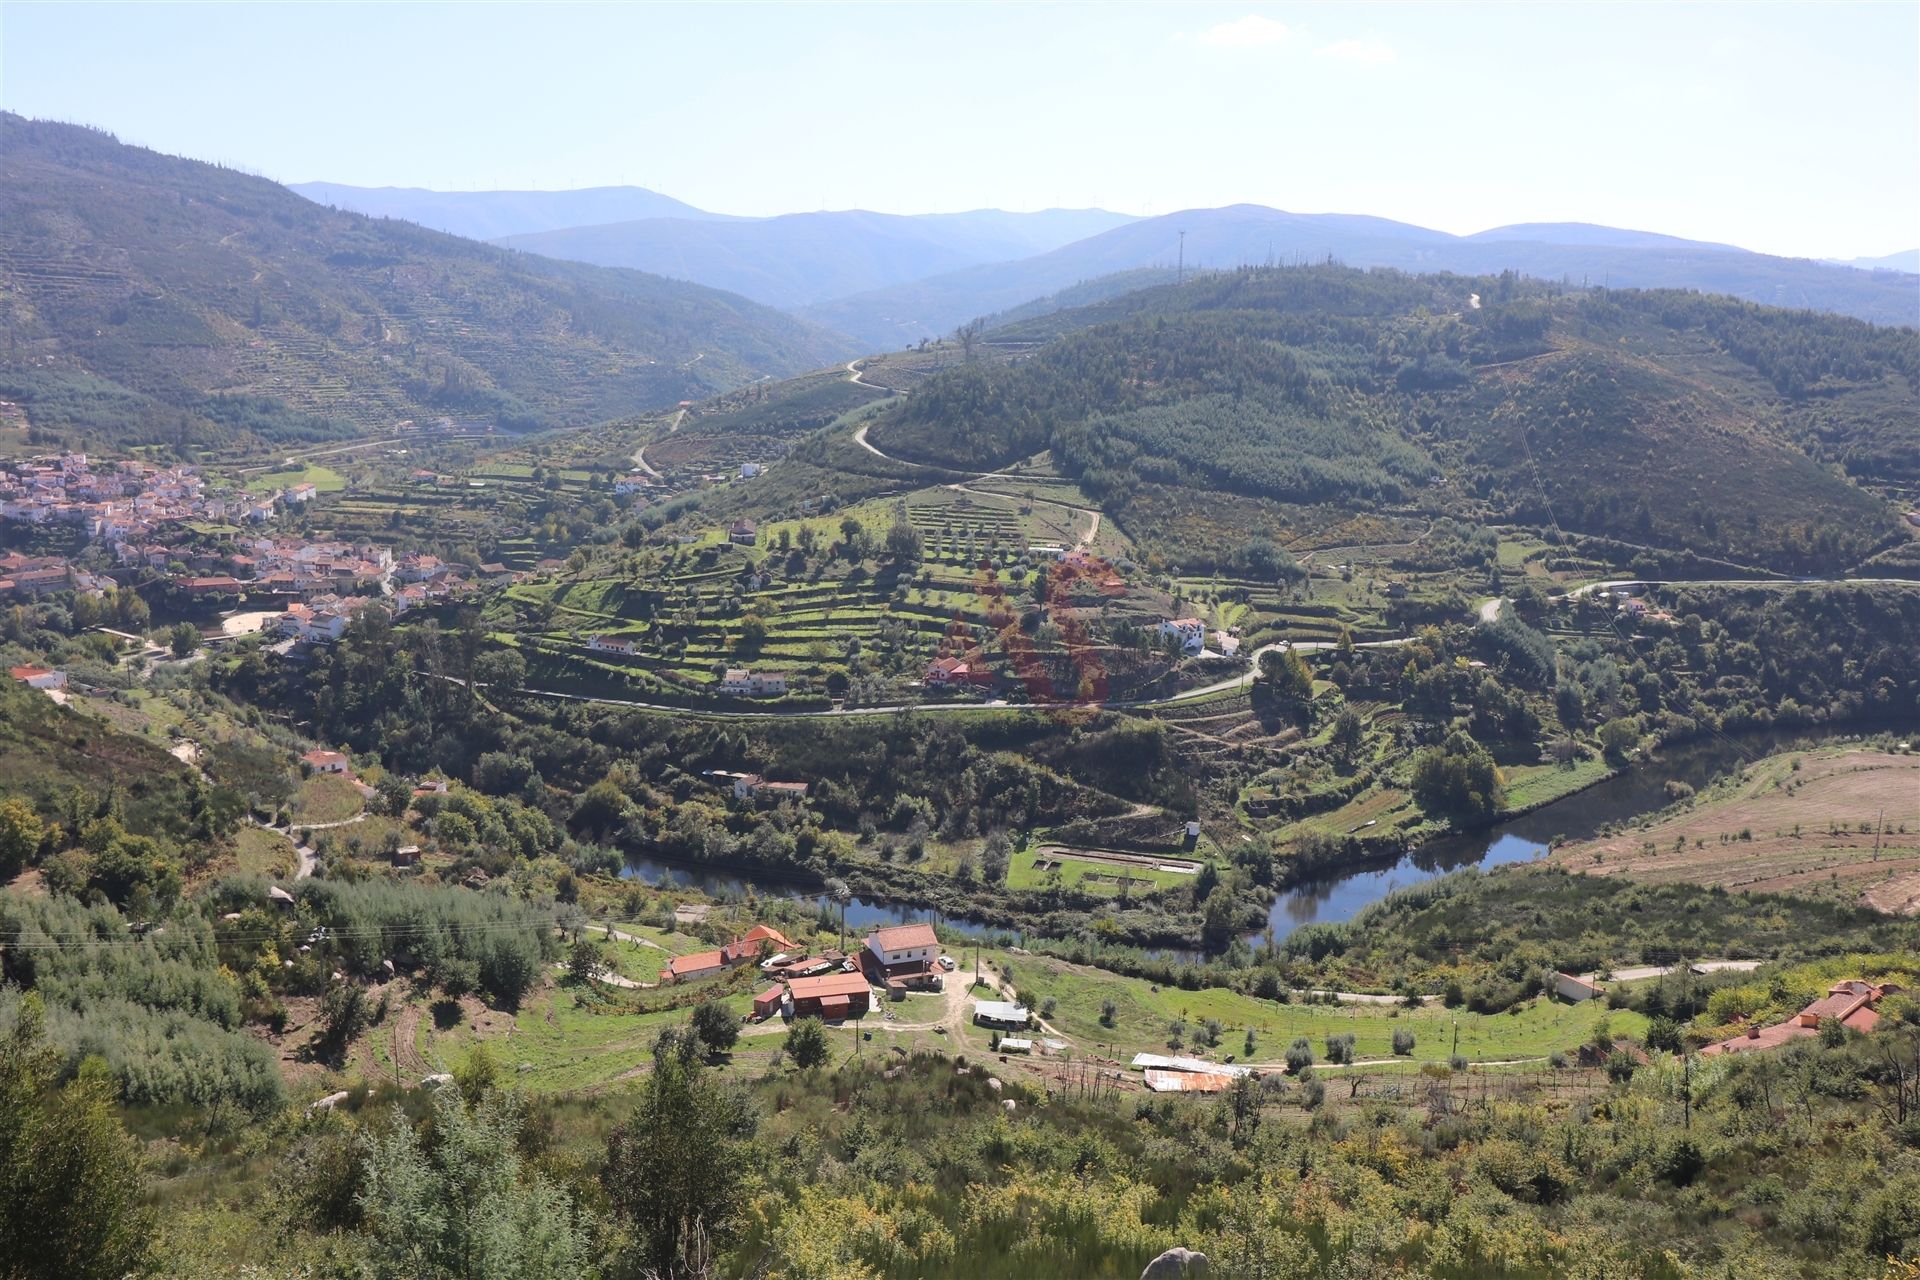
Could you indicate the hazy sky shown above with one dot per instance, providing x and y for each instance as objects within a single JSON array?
[{"x": 1781, "y": 128}]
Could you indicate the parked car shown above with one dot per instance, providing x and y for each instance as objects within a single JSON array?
[{"x": 948, "y": 963}]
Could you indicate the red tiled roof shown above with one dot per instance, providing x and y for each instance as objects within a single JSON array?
[
  {"x": 900, "y": 937},
  {"x": 695, "y": 963},
  {"x": 828, "y": 985}
]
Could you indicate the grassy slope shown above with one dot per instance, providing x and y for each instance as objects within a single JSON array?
[
  {"x": 1143, "y": 1013},
  {"x": 46, "y": 751}
]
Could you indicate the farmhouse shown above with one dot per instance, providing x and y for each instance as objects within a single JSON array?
[
  {"x": 613, "y": 644},
  {"x": 743, "y": 533},
  {"x": 1189, "y": 633},
  {"x": 701, "y": 964},
  {"x": 830, "y": 996},
  {"x": 751, "y": 786},
  {"x": 326, "y": 762},
  {"x": 742, "y": 683},
  {"x": 39, "y": 677},
  {"x": 901, "y": 958},
  {"x": 904, "y": 944},
  {"x": 947, "y": 673},
  {"x": 755, "y": 940},
  {"x": 1849, "y": 1002}
]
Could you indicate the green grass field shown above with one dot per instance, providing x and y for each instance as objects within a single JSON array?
[
  {"x": 324, "y": 479},
  {"x": 1094, "y": 877},
  {"x": 259, "y": 852},
  {"x": 325, "y": 797},
  {"x": 1143, "y": 1014}
]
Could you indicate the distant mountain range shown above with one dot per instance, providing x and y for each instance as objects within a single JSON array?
[
  {"x": 887, "y": 280},
  {"x": 799, "y": 259},
  {"x": 150, "y": 299},
  {"x": 1252, "y": 234},
  {"x": 1907, "y": 261},
  {"x": 488, "y": 215}
]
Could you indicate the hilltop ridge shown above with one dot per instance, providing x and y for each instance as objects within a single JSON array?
[{"x": 153, "y": 299}]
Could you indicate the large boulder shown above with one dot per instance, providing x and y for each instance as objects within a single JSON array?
[{"x": 1177, "y": 1264}]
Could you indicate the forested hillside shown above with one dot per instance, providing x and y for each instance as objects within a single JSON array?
[
  {"x": 1674, "y": 420},
  {"x": 150, "y": 299}
]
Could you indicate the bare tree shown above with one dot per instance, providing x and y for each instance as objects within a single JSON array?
[{"x": 969, "y": 333}]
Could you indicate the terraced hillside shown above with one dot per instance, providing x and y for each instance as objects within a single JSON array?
[
  {"x": 1273, "y": 403},
  {"x": 160, "y": 300}
]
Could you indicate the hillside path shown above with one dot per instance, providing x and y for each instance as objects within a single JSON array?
[{"x": 1637, "y": 973}]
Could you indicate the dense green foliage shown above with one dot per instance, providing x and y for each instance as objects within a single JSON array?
[
  {"x": 45, "y": 753},
  {"x": 70, "y": 1178},
  {"x": 463, "y": 941},
  {"x": 156, "y": 1007},
  {"x": 458, "y": 1202},
  {"x": 1594, "y": 411}
]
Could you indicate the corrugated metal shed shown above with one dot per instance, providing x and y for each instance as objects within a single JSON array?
[
  {"x": 1014, "y": 1044},
  {"x": 1154, "y": 1061},
  {"x": 1001, "y": 1012},
  {"x": 1188, "y": 1081}
]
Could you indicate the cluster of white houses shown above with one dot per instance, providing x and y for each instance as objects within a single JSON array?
[{"x": 129, "y": 501}]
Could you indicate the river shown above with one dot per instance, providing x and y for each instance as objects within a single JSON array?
[
  {"x": 1340, "y": 895},
  {"x": 1641, "y": 789},
  {"x": 862, "y": 913}
]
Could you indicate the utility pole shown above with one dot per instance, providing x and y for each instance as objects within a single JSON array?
[{"x": 1879, "y": 828}]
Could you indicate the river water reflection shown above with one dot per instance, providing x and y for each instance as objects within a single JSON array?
[{"x": 1341, "y": 895}]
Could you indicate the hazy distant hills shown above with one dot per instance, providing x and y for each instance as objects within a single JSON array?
[
  {"x": 799, "y": 259},
  {"x": 1907, "y": 261},
  {"x": 1252, "y": 234},
  {"x": 147, "y": 298},
  {"x": 889, "y": 280},
  {"x": 488, "y": 215},
  {"x": 1593, "y": 236}
]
